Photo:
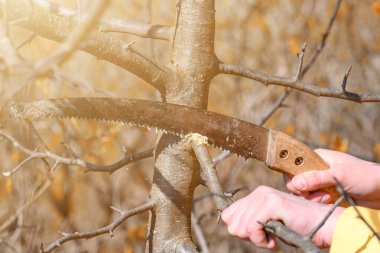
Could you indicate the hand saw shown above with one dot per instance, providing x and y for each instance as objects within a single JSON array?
[{"x": 277, "y": 150}]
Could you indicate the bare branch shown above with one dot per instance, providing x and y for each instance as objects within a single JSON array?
[
  {"x": 221, "y": 156},
  {"x": 48, "y": 24},
  {"x": 28, "y": 40},
  {"x": 104, "y": 230},
  {"x": 295, "y": 84},
  {"x": 71, "y": 43},
  {"x": 199, "y": 233},
  {"x": 300, "y": 65},
  {"x": 141, "y": 29},
  {"x": 144, "y": 30},
  {"x": 353, "y": 204},
  {"x": 209, "y": 171},
  {"x": 32, "y": 154},
  {"x": 275, "y": 107},
  {"x": 7, "y": 245},
  {"x": 7, "y": 51},
  {"x": 228, "y": 194},
  {"x": 323, "y": 221},
  {"x": 129, "y": 158},
  {"x": 35, "y": 195},
  {"x": 290, "y": 237},
  {"x": 322, "y": 43}
]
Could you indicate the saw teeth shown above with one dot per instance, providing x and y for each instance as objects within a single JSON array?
[{"x": 56, "y": 112}]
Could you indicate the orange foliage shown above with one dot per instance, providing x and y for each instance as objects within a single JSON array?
[
  {"x": 137, "y": 231},
  {"x": 8, "y": 185},
  {"x": 323, "y": 138},
  {"x": 290, "y": 129},
  {"x": 334, "y": 141},
  {"x": 338, "y": 143},
  {"x": 294, "y": 45},
  {"x": 16, "y": 156},
  {"x": 376, "y": 7}
]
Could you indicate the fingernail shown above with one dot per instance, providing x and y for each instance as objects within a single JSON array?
[{"x": 299, "y": 183}]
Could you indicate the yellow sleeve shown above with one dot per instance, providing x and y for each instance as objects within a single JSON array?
[{"x": 351, "y": 234}]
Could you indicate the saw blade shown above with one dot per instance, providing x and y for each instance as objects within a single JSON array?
[{"x": 238, "y": 136}]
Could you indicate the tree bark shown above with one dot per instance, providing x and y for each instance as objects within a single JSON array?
[{"x": 177, "y": 171}]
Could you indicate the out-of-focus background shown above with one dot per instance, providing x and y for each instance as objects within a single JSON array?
[{"x": 262, "y": 35}]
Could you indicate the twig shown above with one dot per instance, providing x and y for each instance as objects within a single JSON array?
[
  {"x": 229, "y": 194},
  {"x": 322, "y": 43},
  {"x": 323, "y": 221},
  {"x": 199, "y": 234},
  {"x": 275, "y": 107},
  {"x": 28, "y": 40},
  {"x": 353, "y": 204},
  {"x": 129, "y": 158},
  {"x": 72, "y": 161},
  {"x": 160, "y": 32},
  {"x": 140, "y": 29},
  {"x": 7, "y": 245},
  {"x": 290, "y": 237},
  {"x": 295, "y": 82},
  {"x": 209, "y": 171},
  {"x": 83, "y": 84},
  {"x": 72, "y": 42},
  {"x": 101, "y": 45},
  {"x": 221, "y": 156},
  {"x": 299, "y": 85},
  {"x": 344, "y": 82},
  {"x": 36, "y": 194},
  {"x": 302, "y": 70},
  {"x": 104, "y": 230},
  {"x": 300, "y": 56}
]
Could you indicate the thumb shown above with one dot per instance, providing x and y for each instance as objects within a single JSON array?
[{"x": 313, "y": 180}]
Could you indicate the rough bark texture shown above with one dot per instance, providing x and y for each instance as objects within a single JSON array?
[{"x": 177, "y": 170}]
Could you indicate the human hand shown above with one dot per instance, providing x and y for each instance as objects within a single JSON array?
[
  {"x": 265, "y": 203},
  {"x": 359, "y": 178}
]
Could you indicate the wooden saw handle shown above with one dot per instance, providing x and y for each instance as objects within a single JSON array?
[{"x": 289, "y": 156}]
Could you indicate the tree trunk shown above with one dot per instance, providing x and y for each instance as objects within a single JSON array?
[{"x": 177, "y": 170}]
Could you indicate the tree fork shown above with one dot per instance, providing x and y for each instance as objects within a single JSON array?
[{"x": 177, "y": 172}]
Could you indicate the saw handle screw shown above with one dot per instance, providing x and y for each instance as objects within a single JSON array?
[
  {"x": 284, "y": 153},
  {"x": 298, "y": 161}
]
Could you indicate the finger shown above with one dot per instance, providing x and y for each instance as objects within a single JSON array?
[
  {"x": 329, "y": 156},
  {"x": 271, "y": 242},
  {"x": 258, "y": 236},
  {"x": 238, "y": 224},
  {"x": 228, "y": 213},
  {"x": 313, "y": 180},
  {"x": 233, "y": 217},
  {"x": 291, "y": 188},
  {"x": 370, "y": 204},
  {"x": 319, "y": 197}
]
